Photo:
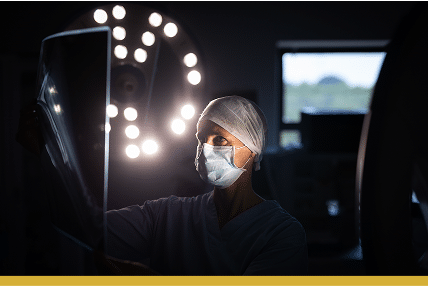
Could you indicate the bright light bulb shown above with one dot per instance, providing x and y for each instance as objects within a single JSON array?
[
  {"x": 190, "y": 60},
  {"x": 187, "y": 111},
  {"x": 130, "y": 114},
  {"x": 120, "y": 52},
  {"x": 140, "y": 55},
  {"x": 132, "y": 131},
  {"x": 107, "y": 127},
  {"x": 119, "y": 33},
  {"x": 155, "y": 19},
  {"x": 100, "y": 16},
  {"x": 170, "y": 30},
  {"x": 194, "y": 77},
  {"x": 119, "y": 12},
  {"x": 148, "y": 38},
  {"x": 112, "y": 110},
  {"x": 150, "y": 147},
  {"x": 132, "y": 151},
  {"x": 178, "y": 126}
]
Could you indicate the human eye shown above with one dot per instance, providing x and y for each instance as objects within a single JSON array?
[{"x": 220, "y": 140}]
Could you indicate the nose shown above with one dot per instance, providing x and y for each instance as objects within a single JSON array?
[
  {"x": 209, "y": 141},
  {"x": 204, "y": 139}
]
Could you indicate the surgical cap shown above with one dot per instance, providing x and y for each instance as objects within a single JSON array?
[{"x": 242, "y": 118}]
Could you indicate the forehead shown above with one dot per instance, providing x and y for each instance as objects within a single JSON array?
[{"x": 208, "y": 127}]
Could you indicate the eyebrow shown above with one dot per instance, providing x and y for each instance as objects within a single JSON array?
[{"x": 215, "y": 132}]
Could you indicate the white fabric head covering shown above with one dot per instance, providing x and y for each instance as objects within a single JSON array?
[{"x": 242, "y": 118}]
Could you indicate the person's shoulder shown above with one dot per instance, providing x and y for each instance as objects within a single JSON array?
[
  {"x": 276, "y": 210},
  {"x": 174, "y": 201},
  {"x": 284, "y": 220}
]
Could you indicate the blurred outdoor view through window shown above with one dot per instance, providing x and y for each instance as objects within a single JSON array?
[{"x": 332, "y": 82}]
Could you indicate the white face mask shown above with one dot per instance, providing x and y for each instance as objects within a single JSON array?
[{"x": 216, "y": 166}]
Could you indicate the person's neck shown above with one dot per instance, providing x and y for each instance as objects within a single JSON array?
[{"x": 234, "y": 200}]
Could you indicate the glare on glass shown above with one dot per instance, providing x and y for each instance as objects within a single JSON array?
[
  {"x": 107, "y": 127},
  {"x": 52, "y": 90},
  {"x": 100, "y": 16},
  {"x": 187, "y": 111},
  {"x": 194, "y": 77},
  {"x": 140, "y": 55},
  {"x": 130, "y": 113},
  {"x": 333, "y": 207},
  {"x": 132, "y": 131},
  {"x": 150, "y": 146},
  {"x": 120, "y": 52},
  {"x": 170, "y": 30},
  {"x": 112, "y": 110},
  {"x": 178, "y": 126},
  {"x": 57, "y": 109},
  {"x": 148, "y": 39},
  {"x": 119, "y": 12},
  {"x": 155, "y": 19},
  {"x": 132, "y": 151},
  {"x": 119, "y": 33}
]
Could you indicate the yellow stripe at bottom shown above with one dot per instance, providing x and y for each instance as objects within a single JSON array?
[{"x": 213, "y": 280}]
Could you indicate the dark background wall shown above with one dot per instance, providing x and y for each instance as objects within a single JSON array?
[{"x": 238, "y": 41}]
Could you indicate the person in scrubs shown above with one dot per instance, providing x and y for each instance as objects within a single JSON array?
[{"x": 228, "y": 231}]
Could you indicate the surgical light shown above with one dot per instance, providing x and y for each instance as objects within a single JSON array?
[
  {"x": 178, "y": 126},
  {"x": 155, "y": 19},
  {"x": 148, "y": 39},
  {"x": 187, "y": 111},
  {"x": 150, "y": 147},
  {"x": 112, "y": 110},
  {"x": 194, "y": 77},
  {"x": 190, "y": 60},
  {"x": 119, "y": 12},
  {"x": 130, "y": 114},
  {"x": 132, "y": 151},
  {"x": 140, "y": 55},
  {"x": 132, "y": 131},
  {"x": 170, "y": 30},
  {"x": 119, "y": 33},
  {"x": 150, "y": 51},
  {"x": 100, "y": 16},
  {"x": 120, "y": 52}
]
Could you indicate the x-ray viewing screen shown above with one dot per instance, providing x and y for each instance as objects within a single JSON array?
[{"x": 73, "y": 85}]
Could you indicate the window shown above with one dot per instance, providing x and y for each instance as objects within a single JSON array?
[{"x": 326, "y": 77}]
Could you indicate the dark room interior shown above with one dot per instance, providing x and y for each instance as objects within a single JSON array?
[{"x": 311, "y": 164}]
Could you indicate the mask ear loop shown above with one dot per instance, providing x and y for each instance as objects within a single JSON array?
[
  {"x": 198, "y": 154},
  {"x": 245, "y": 164},
  {"x": 237, "y": 148}
]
